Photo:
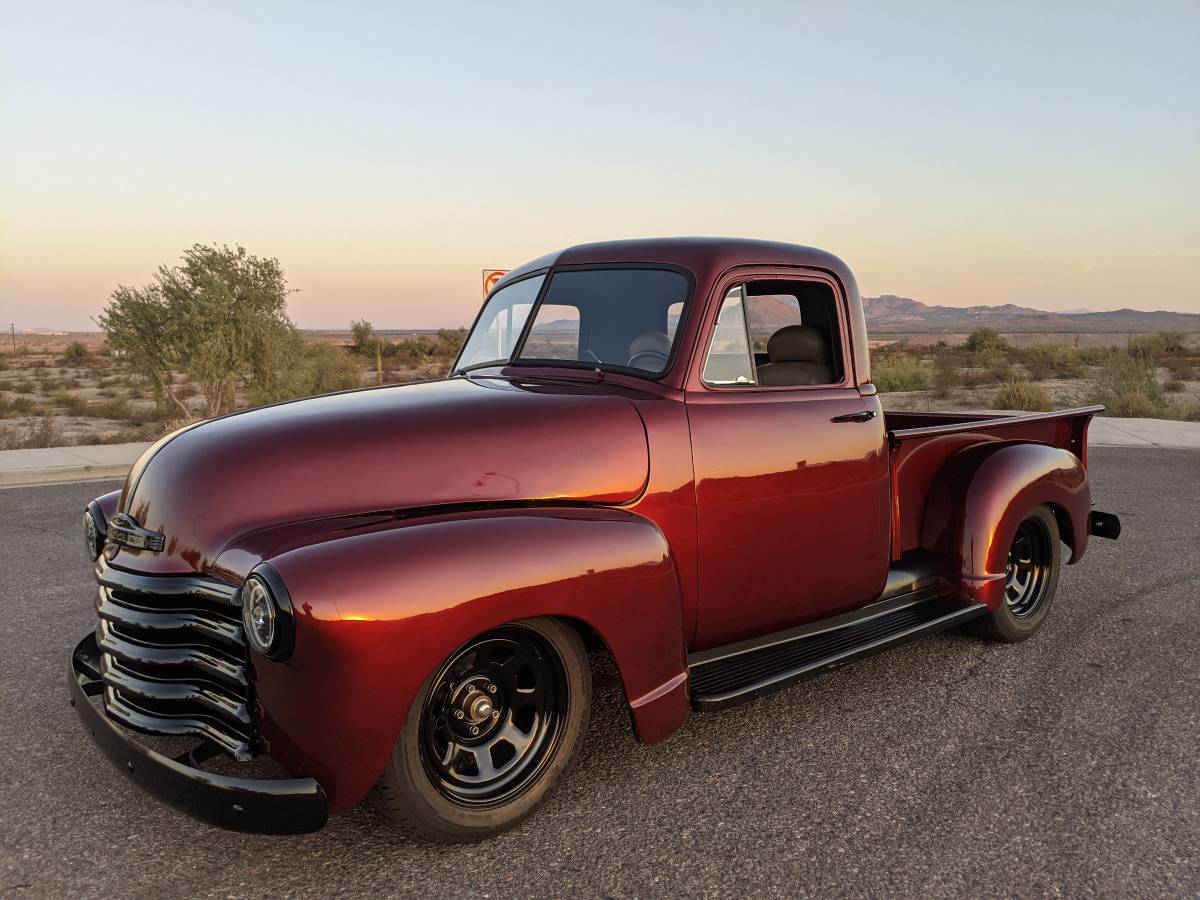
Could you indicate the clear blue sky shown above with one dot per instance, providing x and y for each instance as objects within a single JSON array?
[{"x": 1041, "y": 154}]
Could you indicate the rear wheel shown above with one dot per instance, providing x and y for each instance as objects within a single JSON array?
[
  {"x": 1030, "y": 579},
  {"x": 490, "y": 733}
]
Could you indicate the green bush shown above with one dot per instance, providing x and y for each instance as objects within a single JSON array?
[
  {"x": 1127, "y": 387},
  {"x": 899, "y": 372},
  {"x": 982, "y": 340},
  {"x": 317, "y": 368},
  {"x": 1096, "y": 356},
  {"x": 1162, "y": 343},
  {"x": 1052, "y": 361},
  {"x": 76, "y": 354},
  {"x": 1022, "y": 395},
  {"x": 996, "y": 366}
]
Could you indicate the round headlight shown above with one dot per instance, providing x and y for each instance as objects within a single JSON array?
[
  {"x": 91, "y": 534},
  {"x": 258, "y": 615}
]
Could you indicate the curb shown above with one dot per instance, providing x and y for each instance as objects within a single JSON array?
[{"x": 64, "y": 475}]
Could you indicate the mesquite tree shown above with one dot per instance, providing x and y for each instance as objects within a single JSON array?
[{"x": 218, "y": 317}]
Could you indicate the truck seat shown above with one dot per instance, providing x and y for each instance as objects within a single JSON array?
[{"x": 797, "y": 354}]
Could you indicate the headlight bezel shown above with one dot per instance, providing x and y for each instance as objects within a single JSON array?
[
  {"x": 268, "y": 581},
  {"x": 95, "y": 536}
]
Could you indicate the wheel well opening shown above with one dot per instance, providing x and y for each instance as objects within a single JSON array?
[{"x": 1066, "y": 529}]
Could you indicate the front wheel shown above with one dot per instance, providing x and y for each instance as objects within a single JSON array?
[
  {"x": 1030, "y": 579},
  {"x": 490, "y": 733}
]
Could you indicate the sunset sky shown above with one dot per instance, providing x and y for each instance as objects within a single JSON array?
[{"x": 1040, "y": 154}]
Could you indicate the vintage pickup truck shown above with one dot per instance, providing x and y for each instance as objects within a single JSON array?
[{"x": 670, "y": 451}]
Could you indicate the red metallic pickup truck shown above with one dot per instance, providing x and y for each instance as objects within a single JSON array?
[{"x": 667, "y": 450}]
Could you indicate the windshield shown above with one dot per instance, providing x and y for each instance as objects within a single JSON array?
[{"x": 624, "y": 319}]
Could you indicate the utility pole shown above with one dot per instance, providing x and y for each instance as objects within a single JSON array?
[{"x": 13, "y": 328}]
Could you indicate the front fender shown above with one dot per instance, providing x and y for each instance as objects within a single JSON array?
[
  {"x": 378, "y": 612},
  {"x": 980, "y": 497}
]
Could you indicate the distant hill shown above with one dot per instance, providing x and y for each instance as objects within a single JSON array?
[{"x": 891, "y": 314}]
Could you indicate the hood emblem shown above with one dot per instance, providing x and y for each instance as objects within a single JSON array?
[{"x": 126, "y": 532}]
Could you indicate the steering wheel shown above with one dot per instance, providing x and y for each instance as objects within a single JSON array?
[{"x": 652, "y": 356}]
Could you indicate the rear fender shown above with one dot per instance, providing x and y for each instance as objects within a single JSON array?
[
  {"x": 979, "y": 498},
  {"x": 377, "y": 613}
]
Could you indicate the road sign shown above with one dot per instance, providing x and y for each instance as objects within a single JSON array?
[{"x": 490, "y": 277}]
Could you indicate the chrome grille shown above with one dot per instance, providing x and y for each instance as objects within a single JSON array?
[{"x": 173, "y": 657}]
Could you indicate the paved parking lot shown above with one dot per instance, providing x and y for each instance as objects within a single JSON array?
[{"x": 1066, "y": 765}]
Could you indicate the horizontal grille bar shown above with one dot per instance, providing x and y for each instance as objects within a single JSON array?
[
  {"x": 173, "y": 657},
  {"x": 193, "y": 623},
  {"x": 210, "y": 662}
]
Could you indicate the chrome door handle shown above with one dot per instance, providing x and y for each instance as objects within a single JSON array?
[{"x": 865, "y": 416}]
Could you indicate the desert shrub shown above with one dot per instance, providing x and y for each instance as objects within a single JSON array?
[
  {"x": 41, "y": 432},
  {"x": 1127, "y": 387},
  {"x": 947, "y": 374},
  {"x": 1180, "y": 367},
  {"x": 316, "y": 368},
  {"x": 186, "y": 390},
  {"x": 1023, "y": 395},
  {"x": 14, "y": 406},
  {"x": 899, "y": 372},
  {"x": 1162, "y": 343},
  {"x": 68, "y": 401},
  {"x": 1052, "y": 361},
  {"x": 24, "y": 386},
  {"x": 1174, "y": 387},
  {"x": 981, "y": 340},
  {"x": 117, "y": 409},
  {"x": 76, "y": 354},
  {"x": 1096, "y": 356},
  {"x": 995, "y": 366}
]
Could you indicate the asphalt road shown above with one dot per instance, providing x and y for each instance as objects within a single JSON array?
[{"x": 1063, "y": 766}]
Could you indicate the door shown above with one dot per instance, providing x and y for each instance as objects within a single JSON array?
[{"x": 790, "y": 463}]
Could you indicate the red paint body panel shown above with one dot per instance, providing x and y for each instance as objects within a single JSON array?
[
  {"x": 420, "y": 445},
  {"x": 377, "y": 613},
  {"x": 666, "y": 515}
]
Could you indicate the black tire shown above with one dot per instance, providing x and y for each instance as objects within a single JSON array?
[
  {"x": 1031, "y": 581},
  {"x": 526, "y": 689}
]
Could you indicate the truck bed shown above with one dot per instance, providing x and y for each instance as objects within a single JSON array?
[{"x": 921, "y": 442}]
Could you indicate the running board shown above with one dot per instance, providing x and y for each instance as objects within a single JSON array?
[{"x": 725, "y": 676}]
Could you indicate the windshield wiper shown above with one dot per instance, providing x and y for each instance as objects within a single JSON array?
[{"x": 480, "y": 365}]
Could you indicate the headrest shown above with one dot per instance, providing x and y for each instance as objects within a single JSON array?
[
  {"x": 797, "y": 343},
  {"x": 650, "y": 342}
]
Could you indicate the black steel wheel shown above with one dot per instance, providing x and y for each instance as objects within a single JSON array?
[
  {"x": 1030, "y": 579},
  {"x": 493, "y": 716},
  {"x": 1027, "y": 575},
  {"x": 490, "y": 733}
]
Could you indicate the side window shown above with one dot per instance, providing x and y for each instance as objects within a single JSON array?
[
  {"x": 766, "y": 314},
  {"x": 795, "y": 333},
  {"x": 674, "y": 314},
  {"x": 729, "y": 361},
  {"x": 555, "y": 334}
]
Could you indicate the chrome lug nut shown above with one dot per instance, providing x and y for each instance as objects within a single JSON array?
[
  {"x": 491, "y": 689},
  {"x": 474, "y": 729},
  {"x": 458, "y": 714},
  {"x": 495, "y": 713}
]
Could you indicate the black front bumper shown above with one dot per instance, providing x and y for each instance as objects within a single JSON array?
[{"x": 284, "y": 806}]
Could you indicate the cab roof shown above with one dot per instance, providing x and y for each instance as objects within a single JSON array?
[{"x": 705, "y": 257}]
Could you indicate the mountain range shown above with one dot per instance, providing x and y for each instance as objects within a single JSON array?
[{"x": 892, "y": 314}]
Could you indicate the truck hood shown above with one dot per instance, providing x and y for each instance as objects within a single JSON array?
[{"x": 428, "y": 445}]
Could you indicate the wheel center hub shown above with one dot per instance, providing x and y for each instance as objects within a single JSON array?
[{"x": 476, "y": 708}]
